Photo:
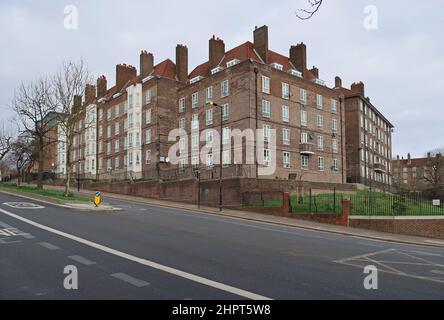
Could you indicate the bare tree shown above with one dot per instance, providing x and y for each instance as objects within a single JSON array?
[
  {"x": 23, "y": 151},
  {"x": 35, "y": 112},
  {"x": 5, "y": 141},
  {"x": 69, "y": 83},
  {"x": 434, "y": 169},
  {"x": 305, "y": 14}
]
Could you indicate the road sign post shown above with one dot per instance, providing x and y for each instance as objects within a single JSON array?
[{"x": 97, "y": 199}]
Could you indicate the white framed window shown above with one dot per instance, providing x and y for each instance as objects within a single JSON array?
[
  {"x": 267, "y": 157},
  {"x": 117, "y": 111},
  {"x": 195, "y": 121},
  {"x": 125, "y": 107},
  {"x": 224, "y": 89},
  {"x": 195, "y": 100},
  {"x": 117, "y": 128},
  {"x": 195, "y": 161},
  {"x": 138, "y": 100},
  {"x": 265, "y": 84},
  {"x": 319, "y": 101},
  {"x": 137, "y": 120},
  {"x": 304, "y": 118},
  {"x": 137, "y": 139},
  {"x": 226, "y": 135},
  {"x": 285, "y": 91},
  {"x": 130, "y": 101},
  {"x": 304, "y": 161},
  {"x": 209, "y": 137},
  {"x": 321, "y": 163},
  {"x": 108, "y": 113},
  {"x": 285, "y": 114},
  {"x": 182, "y": 123},
  {"x": 108, "y": 148},
  {"x": 266, "y": 108},
  {"x": 137, "y": 158},
  {"x": 108, "y": 132},
  {"x": 100, "y": 114},
  {"x": 182, "y": 144},
  {"x": 147, "y": 96},
  {"x": 304, "y": 137},
  {"x": 148, "y": 116},
  {"x": 320, "y": 142},
  {"x": 116, "y": 163},
  {"x": 117, "y": 145},
  {"x": 182, "y": 163},
  {"x": 130, "y": 120},
  {"x": 286, "y": 136},
  {"x": 303, "y": 96},
  {"x": 209, "y": 116},
  {"x": 334, "y": 106},
  {"x": 266, "y": 129},
  {"x": 210, "y": 160},
  {"x": 147, "y": 156},
  {"x": 334, "y": 125},
  {"x": 148, "y": 136},
  {"x": 334, "y": 145},
  {"x": 320, "y": 121},
  {"x": 335, "y": 166},
  {"x": 209, "y": 94},
  {"x": 225, "y": 112},
  {"x": 195, "y": 142},
  {"x": 286, "y": 159},
  {"x": 181, "y": 105},
  {"x": 226, "y": 157}
]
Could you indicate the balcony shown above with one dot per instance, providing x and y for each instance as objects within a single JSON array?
[
  {"x": 378, "y": 167},
  {"x": 307, "y": 148}
]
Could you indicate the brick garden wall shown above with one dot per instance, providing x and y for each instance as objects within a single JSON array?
[{"x": 414, "y": 226}]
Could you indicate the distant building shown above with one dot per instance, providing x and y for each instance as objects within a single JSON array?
[{"x": 368, "y": 135}]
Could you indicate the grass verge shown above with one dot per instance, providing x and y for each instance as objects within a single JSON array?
[{"x": 55, "y": 194}]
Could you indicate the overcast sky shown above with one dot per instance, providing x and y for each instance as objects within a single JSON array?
[{"x": 401, "y": 62}]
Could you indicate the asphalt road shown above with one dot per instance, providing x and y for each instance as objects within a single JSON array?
[{"x": 148, "y": 252}]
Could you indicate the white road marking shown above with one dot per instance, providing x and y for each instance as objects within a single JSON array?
[
  {"x": 82, "y": 260},
  {"x": 148, "y": 263},
  {"x": 131, "y": 280},
  {"x": 23, "y": 205},
  {"x": 48, "y": 246}
]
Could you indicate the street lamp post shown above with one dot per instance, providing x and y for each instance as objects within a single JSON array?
[
  {"x": 220, "y": 154},
  {"x": 78, "y": 176}
]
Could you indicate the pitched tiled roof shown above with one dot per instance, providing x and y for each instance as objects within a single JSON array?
[
  {"x": 165, "y": 69},
  {"x": 244, "y": 52}
]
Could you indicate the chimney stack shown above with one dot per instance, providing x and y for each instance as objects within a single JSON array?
[
  {"x": 338, "y": 82},
  {"x": 101, "y": 87},
  {"x": 315, "y": 72},
  {"x": 216, "y": 51},
  {"x": 182, "y": 63},
  {"x": 77, "y": 103},
  {"x": 124, "y": 73},
  {"x": 146, "y": 64},
  {"x": 298, "y": 57},
  {"x": 358, "y": 88},
  {"x": 90, "y": 93},
  {"x": 261, "y": 42}
]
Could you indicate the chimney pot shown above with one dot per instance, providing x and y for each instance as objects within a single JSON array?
[
  {"x": 146, "y": 64},
  {"x": 298, "y": 57},
  {"x": 182, "y": 63},
  {"x": 358, "y": 88},
  {"x": 338, "y": 82},
  {"x": 216, "y": 52},
  {"x": 261, "y": 42}
]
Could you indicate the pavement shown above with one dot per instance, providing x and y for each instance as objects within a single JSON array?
[{"x": 147, "y": 251}]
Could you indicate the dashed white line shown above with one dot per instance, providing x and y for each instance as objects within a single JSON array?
[
  {"x": 82, "y": 260},
  {"x": 131, "y": 280},
  {"x": 48, "y": 246}
]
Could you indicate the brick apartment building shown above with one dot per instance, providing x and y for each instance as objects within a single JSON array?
[
  {"x": 410, "y": 174},
  {"x": 124, "y": 129},
  {"x": 368, "y": 136}
]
